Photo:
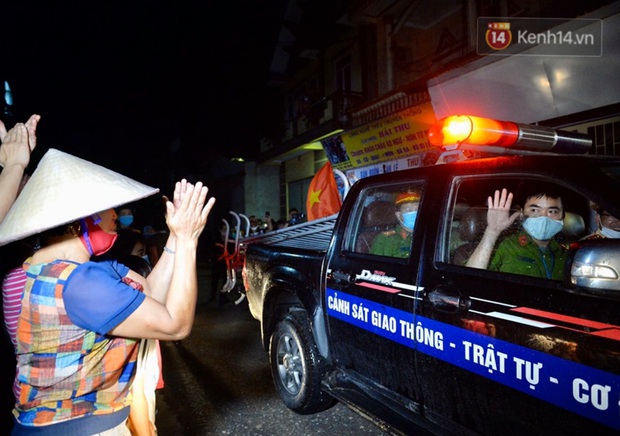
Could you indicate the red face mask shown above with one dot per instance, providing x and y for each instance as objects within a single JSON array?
[{"x": 96, "y": 240}]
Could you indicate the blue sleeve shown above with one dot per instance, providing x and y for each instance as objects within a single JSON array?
[{"x": 96, "y": 299}]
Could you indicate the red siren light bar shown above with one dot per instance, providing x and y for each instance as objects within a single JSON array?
[{"x": 457, "y": 130}]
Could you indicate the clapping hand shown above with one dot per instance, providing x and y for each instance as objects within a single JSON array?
[
  {"x": 18, "y": 142},
  {"x": 187, "y": 213}
]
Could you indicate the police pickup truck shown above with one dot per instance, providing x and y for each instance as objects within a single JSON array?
[{"x": 424, "y": 341}]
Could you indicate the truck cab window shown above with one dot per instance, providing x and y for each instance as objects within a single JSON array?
[
  {"x": 527, "y": 225},
  {"x": 387, "y": 221}
]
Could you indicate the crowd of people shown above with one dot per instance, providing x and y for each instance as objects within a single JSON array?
[
  {"x": 101, "y": 293},
  {"x": 259, "y": 226}
]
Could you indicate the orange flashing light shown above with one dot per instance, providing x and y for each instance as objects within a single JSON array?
[{"x": 457, "y": 129}]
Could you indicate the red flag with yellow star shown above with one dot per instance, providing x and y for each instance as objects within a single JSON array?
[{"x": 323, "y": 196}]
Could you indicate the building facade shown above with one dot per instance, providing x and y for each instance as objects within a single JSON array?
[{"x": 359, "y": 71}]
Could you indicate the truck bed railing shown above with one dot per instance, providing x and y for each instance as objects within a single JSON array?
[
  {"x": 314, "y": 235},
  {"x": 234, "y": 259}
]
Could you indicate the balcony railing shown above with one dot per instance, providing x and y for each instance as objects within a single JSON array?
[
  {"x": 347, "y": 111},
  {"x": 334, "y": 107},
  {"x": 388, "y": 105}
]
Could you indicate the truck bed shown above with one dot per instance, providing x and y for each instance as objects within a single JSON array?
[{"x": 313, "y": 235}]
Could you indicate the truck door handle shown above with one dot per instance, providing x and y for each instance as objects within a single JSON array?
[
  {"x": 448, "y": 300},
  {"x": 341, "y": 277}
]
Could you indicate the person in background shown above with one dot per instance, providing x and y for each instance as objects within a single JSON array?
[
  {"x": 93, "y": 318},
  {"x": 268, "y": 222},
  {"x": 17, "y": 145},
  {"x": 16, "y": 148},
  {"x": 126, "y": 219},
  {"x": 12, "y": 257},
  {"x": 256, "y": 227},
  {"x": 128, "y": 242},
  {"x": 532, "y": 251},
  {"x": 397, "y": 242},
  {"x": 155, "y": 242},
  {"x": 294, "y": 217},
  {"x": 608, "y": 226},
  {"x": 148, "y": 241}
]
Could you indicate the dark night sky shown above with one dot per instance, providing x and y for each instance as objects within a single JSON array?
[{"x": 118, "y": 80}]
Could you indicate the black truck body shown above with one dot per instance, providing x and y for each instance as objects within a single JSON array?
[{"x": 424, "y": 342}]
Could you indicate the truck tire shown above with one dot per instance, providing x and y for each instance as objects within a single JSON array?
[{"x": 297, "y": 366}]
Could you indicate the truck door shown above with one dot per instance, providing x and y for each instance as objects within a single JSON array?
[
  {"x": 371, "y": 295},
  {"x": 522, "y": 353}
]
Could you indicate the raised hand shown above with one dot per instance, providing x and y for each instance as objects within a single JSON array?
[
  {"x": 18, "y": 143},
  {"x": 179, "y": 190},
  {"x": 187, "y": 214},
  {"x": 15, "y": 149},
  {"x": 31, "y": 125},
  {"x": 498, "y": 220},
  {"x": 498, "y": 215}
]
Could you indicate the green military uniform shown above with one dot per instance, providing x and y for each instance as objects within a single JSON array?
[
  {"x": 519, "y": 254},
  {"x": 393, "y": 243}
]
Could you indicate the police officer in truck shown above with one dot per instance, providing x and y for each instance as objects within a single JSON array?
[
  {"x": 397, "y": 242},
  {"x": 532, "y": 251}
]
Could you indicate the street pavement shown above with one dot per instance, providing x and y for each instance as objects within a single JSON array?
[{"x": 218, "y": 382}]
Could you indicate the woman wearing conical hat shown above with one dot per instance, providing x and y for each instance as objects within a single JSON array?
[{"x": 81, "y": 321}]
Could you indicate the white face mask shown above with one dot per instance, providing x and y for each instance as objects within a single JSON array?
[
  {"x": 610, "y": 233},
  {"x": 542, "y": 228}
]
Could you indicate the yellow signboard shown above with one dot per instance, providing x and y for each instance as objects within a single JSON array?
[{"x": 394, "y": 137}]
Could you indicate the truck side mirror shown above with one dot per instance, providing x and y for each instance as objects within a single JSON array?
[{"x": 595, "y": 267}]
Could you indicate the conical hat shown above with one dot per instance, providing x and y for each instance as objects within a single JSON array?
[{"x": 64, "y": 188}]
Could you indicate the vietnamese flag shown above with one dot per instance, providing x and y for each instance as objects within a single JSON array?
[{"x": 323, "y": 196}]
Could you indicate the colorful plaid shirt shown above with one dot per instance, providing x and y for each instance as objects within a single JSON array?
[{"x": 67, "y": 366}]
